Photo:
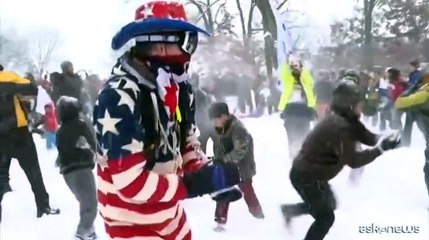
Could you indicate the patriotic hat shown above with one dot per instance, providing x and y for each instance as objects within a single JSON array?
[{"x": 153, "y": 18}]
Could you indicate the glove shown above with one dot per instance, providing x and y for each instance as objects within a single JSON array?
[
  {"x": 227, "y": 195},
  {"x": 389, "y": 142},
  {"x": 211, "y": 178}
]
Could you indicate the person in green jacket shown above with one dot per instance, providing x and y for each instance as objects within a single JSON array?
[
  {"x": 418, "y": 104},
  {"x": 297, "y": 103}
]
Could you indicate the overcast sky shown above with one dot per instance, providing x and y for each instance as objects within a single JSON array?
[{"x": 87, "y": 26}]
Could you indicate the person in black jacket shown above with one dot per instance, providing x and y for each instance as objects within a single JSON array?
[
  {"x": 76, "y": 159},
  {"x": 16, "y": 140},
  {"x": 68, "y": 83},
  {"x": 326, "y": 150}
]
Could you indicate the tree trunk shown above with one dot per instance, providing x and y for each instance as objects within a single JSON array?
[
  {"x": 269, "y": 25},
  {"x": 368, "y": 58},
  {"x": 243, "y": 25},
  {"x": 250, "y": 20}
]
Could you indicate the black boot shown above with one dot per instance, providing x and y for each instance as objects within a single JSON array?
[{"x": 47, "y": 211}]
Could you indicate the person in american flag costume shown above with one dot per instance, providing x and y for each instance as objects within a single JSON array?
[{"x": 148, "y": 155}]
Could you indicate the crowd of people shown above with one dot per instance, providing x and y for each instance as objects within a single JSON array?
[{"x": 139, "y": 130}]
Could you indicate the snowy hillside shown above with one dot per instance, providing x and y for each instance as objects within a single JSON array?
[{"x": 391, "y": 192}]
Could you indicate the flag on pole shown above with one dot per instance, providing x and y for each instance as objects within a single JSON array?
[{"x": 284, "y": 37}]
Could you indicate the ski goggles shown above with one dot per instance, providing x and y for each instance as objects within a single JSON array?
[{"x": 188, "y": 41}]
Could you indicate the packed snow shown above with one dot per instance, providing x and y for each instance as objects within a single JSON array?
[{"x": 391, "y": 193}]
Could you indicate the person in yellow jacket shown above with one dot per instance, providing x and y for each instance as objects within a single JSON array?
[
  {"x": 417, "y": 104},
  {"x": 297, "y": 103},
  {"x": 16, "y": 141}
]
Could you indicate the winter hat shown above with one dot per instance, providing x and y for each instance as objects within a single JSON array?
[
  {"x": 157, "y": 17},
  {"x": 346, "y": 95},
  {"x": 415, "y": 63},
  {"x": 218, "y": 109},
  {"x": 68, "y": 108}
]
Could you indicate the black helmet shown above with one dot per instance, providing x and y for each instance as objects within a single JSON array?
[
  {"x": 352, "y": 75},
  {"x": 1, "y": 68},
  {"x": 346, "y": 95}
]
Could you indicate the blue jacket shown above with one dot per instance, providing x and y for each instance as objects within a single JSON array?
[{"x": 414, "y": 81}]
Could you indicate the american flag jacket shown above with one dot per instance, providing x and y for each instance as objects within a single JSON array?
[{"x": 130, "y": 193}]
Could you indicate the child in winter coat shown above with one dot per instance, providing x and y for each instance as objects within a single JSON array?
[
  {"x": 50, "y": 126},
  {"x": 233, "y": 143},
  {"x": 76, "y": 158}
]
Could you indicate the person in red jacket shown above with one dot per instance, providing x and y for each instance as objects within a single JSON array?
[
  {"x": 397, "y": 87},
  {"x": 50, "y": 125}
]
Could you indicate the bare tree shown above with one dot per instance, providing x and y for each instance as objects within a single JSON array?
[
  {"x": 43, "y": 48},
  {"x": 206, "y": 9}
]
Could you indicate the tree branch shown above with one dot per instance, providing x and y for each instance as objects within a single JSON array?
[
  {"x": 202, "y": 15},
  {"x": 281, "y": 4},
  {"x": 219, "y": 9},
  {"x": 243, "y": 26}
]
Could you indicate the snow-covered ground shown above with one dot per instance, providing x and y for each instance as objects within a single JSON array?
[{"x": 391, "y": 193}]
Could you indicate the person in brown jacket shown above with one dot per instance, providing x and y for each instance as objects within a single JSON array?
[
  {"x": 329, "y": 147},
  {"x": 233, "y": 143}
]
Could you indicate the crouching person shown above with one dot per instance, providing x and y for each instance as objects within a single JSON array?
[
  {"x": 234, "y": 144},
  {"x": 76, "y": 159}
]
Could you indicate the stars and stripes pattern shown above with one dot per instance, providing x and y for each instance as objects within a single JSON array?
[
  {"x": 135, "y": 203},
  {"x": 161, "y": 9}
]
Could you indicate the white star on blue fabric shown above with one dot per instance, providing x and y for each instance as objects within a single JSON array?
[
  {"x": 133, "y": 86},
  {"x": 125, "y": 99},
  {"x": 109, "y": 124},
  {"x": 115, "y": 84},
  {"x": 134, "y": 147}
]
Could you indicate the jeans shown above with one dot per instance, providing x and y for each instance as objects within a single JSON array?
[
  {"x": 82, "y": 184},
  {"x": 221, "y": 212},
  {"x": 51, "y": 140}
]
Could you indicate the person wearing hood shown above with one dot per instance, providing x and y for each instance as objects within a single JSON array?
[
  {"x": 148, "y": 154},
  {"x": 76, "y": 160},
  {"x": 329, "y": 147}
]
